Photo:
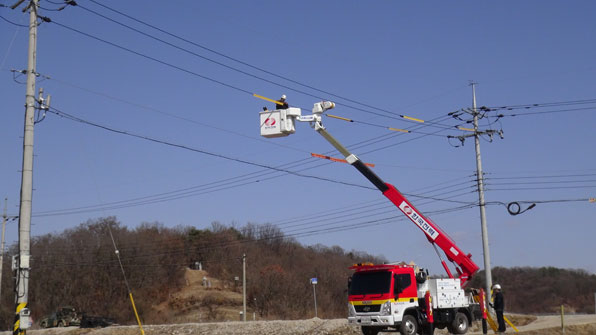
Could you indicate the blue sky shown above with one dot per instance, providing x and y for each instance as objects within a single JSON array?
[{"x": 397, "y": 57}]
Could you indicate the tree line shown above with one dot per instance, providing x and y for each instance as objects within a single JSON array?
[
  {"x": 531, "y": 290},
  {"x": 79, "y": 267}
]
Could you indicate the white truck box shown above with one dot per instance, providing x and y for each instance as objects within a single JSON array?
[{"x": 447, "y": 293}]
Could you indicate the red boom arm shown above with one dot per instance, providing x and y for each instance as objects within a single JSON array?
[{"x": 464, "y": 265}]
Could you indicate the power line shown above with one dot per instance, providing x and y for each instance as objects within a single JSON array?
[
  {"x": 214, "y": 186},
  {"x": 180, "y": 146},
  {"x": 294, "y": 234},
  {"x": 541, "y": 105},
  {"x": 545, "y": 176},
  {"x": 13, "y": 23},
  {"x": 229, "y": 58},
  {"x": 550, "y": 112}
]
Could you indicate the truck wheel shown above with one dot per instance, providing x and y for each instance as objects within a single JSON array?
[
  {"x": 44, "y": 324},
  {"x": 367, "y": 330},
  {"x": 60, "y": 324},
  {"x": 460, "y": 324},
  {"x": 409, "y": 325}
]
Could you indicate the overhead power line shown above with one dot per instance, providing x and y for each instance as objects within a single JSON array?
[
  {"x": 388, "y": 113},
  {"x": 236, "y": 60},
  {"x": 13, "y": 23},
  {"x": 238, "y": 160},
  {"x": 542, "y": 105}
]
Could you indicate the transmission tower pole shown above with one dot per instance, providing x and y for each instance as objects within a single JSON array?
[{"x": 22, "y": 319}]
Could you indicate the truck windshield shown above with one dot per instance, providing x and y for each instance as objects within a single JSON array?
[{"x": 378, "y": 282}]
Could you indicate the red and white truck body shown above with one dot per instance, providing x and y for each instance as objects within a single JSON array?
[{"x": 388, "y": 296}]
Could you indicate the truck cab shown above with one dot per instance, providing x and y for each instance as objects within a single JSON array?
[{"x": 394, "y": 297}]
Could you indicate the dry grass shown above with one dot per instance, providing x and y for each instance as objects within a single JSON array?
[
  {"x": 587, "y": 329},
  {"x": 521, "y": 320}
]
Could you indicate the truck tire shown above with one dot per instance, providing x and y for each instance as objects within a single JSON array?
[
  {"x": 460, "y": 324},
  {"x": 44, "y": 324},
  {"x": 409, "y": 325},
  {"x": 60, "y": 324},
  {"x": 368, "y": 330}
]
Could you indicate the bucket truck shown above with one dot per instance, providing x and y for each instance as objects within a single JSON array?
[{"x": 395, "y": 297}]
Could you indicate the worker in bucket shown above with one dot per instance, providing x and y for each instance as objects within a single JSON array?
[
  {"x": 499, "y": 306},
  {"x": 282, "y": 104}
]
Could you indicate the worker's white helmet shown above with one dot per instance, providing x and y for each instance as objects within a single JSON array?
[
  {"x": 283, "y": 96},
  {"x": 496, "y": 287}
]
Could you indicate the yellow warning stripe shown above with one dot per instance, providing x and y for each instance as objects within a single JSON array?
[
  {"x": 136, "y": 314},
  {"x": 511, "y": 324},
  {"x": 267, "y": 99},
  {"x": 339, "y": 117},
  {"x": 412, "y": 118},
  {"x": 397, "y": 129},
  {"x": 17, "y": 323},
  {"x": 491, "y": 323},
  {"x": 21, "y": 306},
  {"x": 379, "y": 302}
]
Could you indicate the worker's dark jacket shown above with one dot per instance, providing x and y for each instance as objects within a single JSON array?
[
  {"x": 499, "y": 302},
  {"x": 284, "y": 105}
]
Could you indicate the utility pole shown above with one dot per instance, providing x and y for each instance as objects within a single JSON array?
[
  {"x": 487, "y": 268},
  {"x": 22, "y": 315},
  {"x": 313, "y": 281},
  {"x": 480, "y": 183},
  {"x": 243, "y": 287},
  {"x": 4, "y": 217}
]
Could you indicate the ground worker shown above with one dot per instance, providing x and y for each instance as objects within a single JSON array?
[
  {"x": 499, "y": 306},
  {"x": 282, "y": 104}
]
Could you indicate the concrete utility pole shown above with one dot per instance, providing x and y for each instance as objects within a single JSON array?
[
  {"x": 22, "y": 320},
  {"x": 243, "y": 287},
  {"x": 480, "y": 182},
  {"x": 313, "y": 281},
  {"x": 487, "y": 269},
  {"x": 4, "y": 217}
]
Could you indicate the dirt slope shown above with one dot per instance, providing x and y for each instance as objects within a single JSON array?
[{"x": 203, "y": 298}]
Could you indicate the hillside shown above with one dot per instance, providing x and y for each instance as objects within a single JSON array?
[
  {"x": 201, "y": 298},
  {"x": 78, "y": 267},
  {"x": 543, "y": 290}
]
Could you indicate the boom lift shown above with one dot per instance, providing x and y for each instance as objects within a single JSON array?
[{"x": 382, "y": 297}]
